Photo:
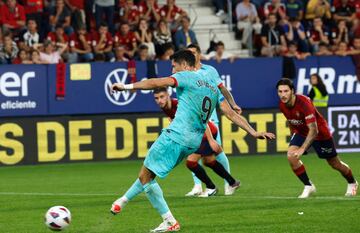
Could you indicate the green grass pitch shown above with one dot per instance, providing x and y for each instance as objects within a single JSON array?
[{"x": 266, "y": 201}]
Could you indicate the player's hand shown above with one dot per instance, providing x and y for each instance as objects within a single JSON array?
[
  {"x": 117, "y": 87},
  {"x": 264, "y": 135},
  {"x": 298, "y": 152},
  {"x": 215, "y": 146},
  {"x": 237, "y": 109}
]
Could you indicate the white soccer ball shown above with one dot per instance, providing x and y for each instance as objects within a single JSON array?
[{"x": 57, "y": 218}]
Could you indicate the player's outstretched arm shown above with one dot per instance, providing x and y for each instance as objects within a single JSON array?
[
  {"x": 147, "y": 84},
  {"x": 243, "y": 123},
  {"x": 228, "y": 96}
]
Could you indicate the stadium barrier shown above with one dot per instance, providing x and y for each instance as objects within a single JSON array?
[
  {"x": 38, "y": 90},
  {"x": 37, "y": 140}
]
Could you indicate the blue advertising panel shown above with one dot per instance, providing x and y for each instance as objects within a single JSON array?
[
  {"x": 23, "y": 90},
  {"x": 338, "y": 74}
]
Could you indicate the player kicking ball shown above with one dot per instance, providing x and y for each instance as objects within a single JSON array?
[
  {"x": 309, "y": 128},
  {"x": 197, "y": 95}
]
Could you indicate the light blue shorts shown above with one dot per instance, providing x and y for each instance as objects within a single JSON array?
[{"x": 165, "y": 154}]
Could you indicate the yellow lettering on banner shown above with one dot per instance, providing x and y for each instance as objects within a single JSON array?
[
  {"x": 111, "y": 139},
  {"x": 282, "y": 132},
  {"x": 261, "y": 120},
  {"x": 76, "y": 139},
  {"x": 43, "y": 128},
  {"x": 144, "y": 137},
  {"x": 16, "y": 146},
  {"x": 165, "y": 122},
  {"x": 229, "y": 136}
]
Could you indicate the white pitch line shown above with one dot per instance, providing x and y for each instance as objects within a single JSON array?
[{"x": 242, "y": 197}]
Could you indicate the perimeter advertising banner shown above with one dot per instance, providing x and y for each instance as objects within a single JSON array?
[
  {"x": 116, "y": 137},
  {"x": 34, "y": 89},
  {"x": 23, "y": 90},
  {"x": 129, "y": 136}
]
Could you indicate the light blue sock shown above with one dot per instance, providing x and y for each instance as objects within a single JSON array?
[
  {"x": 196, "y": 180},
  {"x": 222, "y": 158},
  {"x": 134, "y": 190},
  {"x": 156, "y": 197}
]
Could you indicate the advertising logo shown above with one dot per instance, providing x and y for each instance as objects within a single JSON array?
[
  {"x": 344, "y": 123},
  {"x": 120, "y": 98}
]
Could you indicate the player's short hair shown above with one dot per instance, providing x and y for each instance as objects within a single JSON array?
[
  {"x": 160, "y": 89},
  {"x": 184, "y": 56},
  {"x": 287, "y": 82},
  {"x": 195, "y": 46}
]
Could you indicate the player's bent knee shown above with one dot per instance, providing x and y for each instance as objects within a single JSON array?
[
  {"x": 209, "y": 163},
  {"x": 191, "y": 164}
]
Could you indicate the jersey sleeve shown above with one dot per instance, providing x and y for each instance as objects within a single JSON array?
[
  {"x": 309, "y": 111},
  {"x": 182, "y": 79}
]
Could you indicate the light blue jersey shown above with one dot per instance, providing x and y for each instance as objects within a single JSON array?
[
  {"x": 212, "y": 74},
  {"x": 197, "y": 95}
]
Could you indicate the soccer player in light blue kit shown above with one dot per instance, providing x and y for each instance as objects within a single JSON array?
[
  {"x": 197, "y": 96},
  {"x": 212, "y": 73}
]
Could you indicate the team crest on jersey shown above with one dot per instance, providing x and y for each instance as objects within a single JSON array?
[{"x": 297, "y": 114}]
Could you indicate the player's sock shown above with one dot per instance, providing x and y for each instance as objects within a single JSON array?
[
  {"x": 200, "y": 173},
  {"x": 302, "y": 175},
  {"x": 135, "y": 189},
  {"x": 155, "y": 195},
  {"x": 349, "y": 176},
  {"x": 220, "y": 170},
  {"x": 223, "y": 160}
]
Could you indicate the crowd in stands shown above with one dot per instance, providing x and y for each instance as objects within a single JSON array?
[
  {"x": 300, "y": 28},
  {"x": 53, "y": 31}
]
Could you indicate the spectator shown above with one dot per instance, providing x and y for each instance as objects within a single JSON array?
[
  {"x": 50, "y": 55},
  {"x": 168, "y": 51},
  {"x": 35, "y": 57},
  {"x": 293, "y": 52},
  {"x": 318, "y": 34},
  {"x": 318, "y": 9},
  {"x": 34, "y": 9},
  {"x": 144, "y": 36},
  {"x": 120, "y": 52},
  {"x": 247, "y": 20},
  {"x": 272, "y": 38},
  {"x": 275, "y": 7},
  {"x": 80, "y": 46},
  {"x": 8, "y": 50},
  {"x": 102, "y": 42},
  {"x": 130, "y": 13},
  {"x": 77, "y": 8},
  {"x": 60, "y": 15},
  {"x": 105, "y": 9},
  {"x": 89, "y": 15},
  {"x": 142, "y": 53},
  {"x": 149, "y": 10},
  {"x": 219, "y": 7},
  {"x": 58, "y": 36},
  {"x": 295, "y": 9},
  {"x": 340, "y": 33},
  {"x": 185, "y": 36},
  {"x": 295, "y": 32},
  {"x": 172, "y": 14},
  {"x": 13, "y": 17},
  {"x": 323, "y": 50},
  {"x": 342, "y": 49},
  {"x": 345, "y": 11},
  {"x": 29, "y": 37},
  {"x": 126, "y": 38},
  {"x": 220, "y": 54},
  {"x": 162, "y": 36},
  {"x": 318, "y": 93},
  {"x": 22, "y": 58}
]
